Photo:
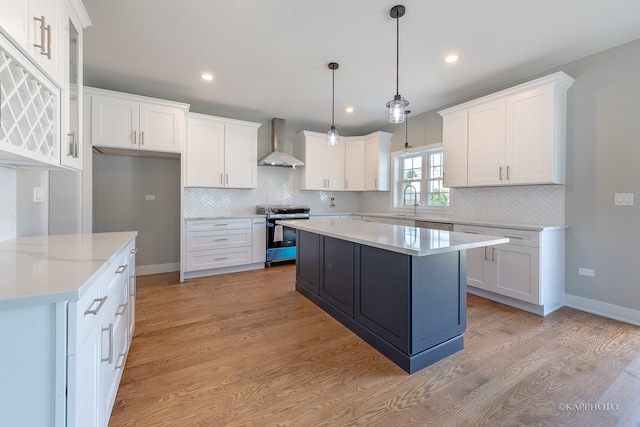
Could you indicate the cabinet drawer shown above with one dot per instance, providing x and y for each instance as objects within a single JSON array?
[
  {"x": 218, "y": 224},
  {"x": 517, "y": 237},
  {"x": 203, "y": 260},
  {"x": 219, "y": 239}
]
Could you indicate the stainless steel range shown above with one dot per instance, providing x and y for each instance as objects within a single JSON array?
[{"x": 281, "y": 240}]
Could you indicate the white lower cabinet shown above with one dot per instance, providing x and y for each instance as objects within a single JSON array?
[
  {"x": 218, "y": 246},
  {"x": 99, "y": 338},
  {"x": 527, "y": 272}
]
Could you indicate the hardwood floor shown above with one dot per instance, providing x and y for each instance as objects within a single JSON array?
[{"x": 245, "y": 349}]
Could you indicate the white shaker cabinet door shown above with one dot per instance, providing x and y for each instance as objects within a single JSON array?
[
  {"x": 204, "y": 153},
  {"x": 486, "y": 144},
  {"x": 354, "y": 168},
  {"x": 334, "y": 167},
  {"x": 241, "y": 156},
  {"x": 454, "y": 147},
  {"x": 160, "y": 128},
  {"x": 530, "y": 138},
  {"x": 114, "y": 122}
]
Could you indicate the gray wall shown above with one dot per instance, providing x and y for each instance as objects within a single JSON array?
[
  {"x": 120, "y": 184},
  {"x": 603, "y": 150}
]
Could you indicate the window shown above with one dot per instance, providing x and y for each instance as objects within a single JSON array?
[{"x": 419, "y": 181}]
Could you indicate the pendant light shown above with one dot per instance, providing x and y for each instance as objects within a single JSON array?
[
  {"x": 398, "y": 104},
  {"x": 406, "y": 131},
  {"x": 333, "y": 134}
]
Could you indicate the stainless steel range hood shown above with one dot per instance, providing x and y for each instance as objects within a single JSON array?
[{"x": 277, "y": 157}]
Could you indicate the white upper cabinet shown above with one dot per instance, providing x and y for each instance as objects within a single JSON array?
[
  {"x": 377, "y": 161},
  {"x": 35, "y": 26},
  {"x": 221, "y": 153},
  {"x": 324, "y": 164},
  {"x": 354, "y": 163},
  {"x": 72, "y": 20},
  {"x": 120, "y": 120},
  {"x": 454, "y": 131},
  {"x": 513, "y": 137},
  {"x": 357, "y": 163}
]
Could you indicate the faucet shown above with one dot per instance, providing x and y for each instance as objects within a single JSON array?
[{"x": 411, "y": 192}]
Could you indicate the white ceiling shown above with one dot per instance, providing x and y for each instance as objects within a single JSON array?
[{"x": 270, "y": 57}]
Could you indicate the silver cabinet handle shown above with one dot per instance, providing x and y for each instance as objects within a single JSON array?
[
  {"x": 109, "y": 358},
  {"x": 45, "y": 33},
  {"x": 122, "y": 308},
  {"x": 508, "y": 172},
  {"x": 72, "y": 145},
  {"x": 493, "y": 253},
  {"x": 132, "y": 286},
  {"x": 141, "y": 137},
  {"x": 96, "y": 310},
  {"x": 375, "y": 183},
  {"x": 119, "y": 364},
  {"x": 220, "y": 240},
  {"x": 226, "y": 178},
  {"x": 48, "y": 54},
  {"x": 121, "y": 269},
  {"x": 500, "y": 173},
  {"x": 135, "y": 137},
  {"x": 221, "y": 180},
  {"x": 220, "y": 225},
  {"x": 346, "y": 184},
  {"x": 469, "y": 232},
  {"x": 221, "y": 258},
  {"x": 514, "y": 237},
  {"x": 485, "y": 253}
]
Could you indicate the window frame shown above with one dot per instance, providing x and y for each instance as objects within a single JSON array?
[{"x": 395, "y": 201}]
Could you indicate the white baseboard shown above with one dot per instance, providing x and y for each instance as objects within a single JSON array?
[
  {"x": 604, "y": 309},
  {"x": 142, "y": 270}
]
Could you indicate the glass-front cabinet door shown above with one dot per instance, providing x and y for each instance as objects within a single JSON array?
[{"x": 71, "y": 152}]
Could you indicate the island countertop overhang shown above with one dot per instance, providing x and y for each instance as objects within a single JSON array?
[{"x": 414, "y": 241}]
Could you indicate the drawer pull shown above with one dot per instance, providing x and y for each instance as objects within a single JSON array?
[
  {"x": 220, "y": 240},
  {"x": 470, "y": 232},
  {"x": 121, "y": 269},
  {"x": 222, "y": 258},
  {"x": 109, "y": 358},
  {"x": 95, "y": 311},
  {"x": 220, "y": 225},
  {"x": 119, "y": 364},
  {"x": 122, "y": 308},
  {"x": 514, "y": 237}
]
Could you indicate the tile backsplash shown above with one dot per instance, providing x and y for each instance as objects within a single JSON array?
[
  {"x": 535, "y": 205},
  {"x": 8, "y": 203},
  {"x": 276, "y": 185}
]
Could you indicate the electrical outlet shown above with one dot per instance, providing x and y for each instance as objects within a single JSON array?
[{"x": 589, "y": 272}]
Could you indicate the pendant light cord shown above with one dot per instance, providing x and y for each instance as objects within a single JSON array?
[
  {"x": 397, "y": 54},
  {"x": 333, "y": 96}
]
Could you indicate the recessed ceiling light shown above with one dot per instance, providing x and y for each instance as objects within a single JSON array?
[
  {"x": 206, "y": 76},
  {"x": 349, "y": 110},
  {"x": 451, "y": 58}
]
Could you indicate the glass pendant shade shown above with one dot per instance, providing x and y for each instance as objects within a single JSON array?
[
  {"x": 397, "y": 109},
  {"x": 332, "y": 136}
]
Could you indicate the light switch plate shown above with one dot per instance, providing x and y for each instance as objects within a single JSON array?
[
  {"x": 623, "y": 199},
  {"x": 149, "y": 196},
  {"x": 38, "y": 194}
]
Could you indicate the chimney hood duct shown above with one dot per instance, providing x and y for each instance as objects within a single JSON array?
[{"x": 279, "y": 158}]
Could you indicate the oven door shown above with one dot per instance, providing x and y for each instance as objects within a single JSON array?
[{"x": 279, "y": 236}]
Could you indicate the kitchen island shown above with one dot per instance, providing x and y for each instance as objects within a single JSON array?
[
  {"x": 402, "y": 289},
  {"x": 66, "y": 318}
]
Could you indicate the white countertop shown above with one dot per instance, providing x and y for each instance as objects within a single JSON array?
[
  {"x": 495, "y": 224},
  {"x": 47, "y": 269},
  {"x": 408, "y": 240}
]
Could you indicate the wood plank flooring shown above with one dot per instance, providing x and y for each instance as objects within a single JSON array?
[{"x": 245, "y": 349}]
